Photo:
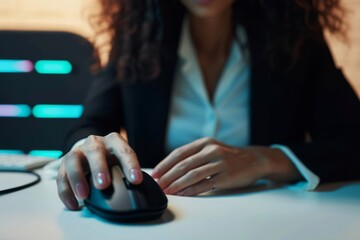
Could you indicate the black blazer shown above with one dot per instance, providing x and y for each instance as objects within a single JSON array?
[{"x": 311, "y": 109}]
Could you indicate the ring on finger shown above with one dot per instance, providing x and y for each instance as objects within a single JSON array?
[{"x": 213, "y": 183}]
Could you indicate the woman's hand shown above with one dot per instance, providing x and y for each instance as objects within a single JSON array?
[
  {"x": 206, "y": 164},
  {"x": 95, "y": 156}
]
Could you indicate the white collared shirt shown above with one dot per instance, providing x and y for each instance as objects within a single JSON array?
[
  {"x": 227, "y": 118},
  {"x": 193, "y": 115}
]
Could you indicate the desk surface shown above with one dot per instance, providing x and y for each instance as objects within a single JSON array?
[{"x": 274, "y": 213}]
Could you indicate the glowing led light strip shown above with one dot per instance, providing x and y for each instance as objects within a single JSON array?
[
  {"x": 16, "y": 66},
  {"x": 53, "y": 67},
  {"x": 8, "y": 151},
  {"x": 41, "y": 66},
  {"x": 18, "y": 110},
  {"x": 57, "y": 111},
  {"x": 37, "y": 153},
  {"x": 46, "y": 153}
]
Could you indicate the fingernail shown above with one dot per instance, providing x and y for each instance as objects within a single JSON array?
[
  {"x": 80, "y": 191},
  {"x": 167, "y": 191},
  {"x": 101, "y": 178},
  {"x": 135, "y": 174},
  {"x": 182, "y": 193},
  {"x": 161, "y": 184},
  {"x": 155, "y": 173},
  {"x": 72, "y": 204}
]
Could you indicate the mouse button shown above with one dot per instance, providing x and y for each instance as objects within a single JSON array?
[
  {"x": 122, "y": 199},
  {"x": 98, "y": 197},
  {"x": 149, "y": 193},
  {"x": 116, "y": 173}
]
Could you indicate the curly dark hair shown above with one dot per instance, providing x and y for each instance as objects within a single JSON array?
[{"x": 136, "y": 29}]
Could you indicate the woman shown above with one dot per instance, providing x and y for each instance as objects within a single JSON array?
[{"x": 206, "y": 88}]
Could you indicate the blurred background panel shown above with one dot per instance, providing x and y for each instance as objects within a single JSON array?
[
  {"x": 73, "y": 16},
  {"x": 44, "y": 75}
]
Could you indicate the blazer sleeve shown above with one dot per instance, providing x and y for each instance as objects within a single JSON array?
[
  {"x": 102, "y": 109},
  {"x": 333, "y": 122}
]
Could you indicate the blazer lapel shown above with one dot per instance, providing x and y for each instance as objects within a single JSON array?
[
  {"x": 259, "y": 82},
  {"x": 147, "y": 103}
]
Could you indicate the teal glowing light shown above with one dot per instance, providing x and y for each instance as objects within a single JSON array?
[
  {"x": 14, "y": 110},
  {"x": 15, "y": 66},
  {"x": 53, "y": 67},
  {"x": 57, "y": 111},
  {"x": 9, "y": 151},
  {"x": 46, "y": 153}
]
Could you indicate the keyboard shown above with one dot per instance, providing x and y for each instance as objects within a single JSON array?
[{"x": 22, "y": 162}]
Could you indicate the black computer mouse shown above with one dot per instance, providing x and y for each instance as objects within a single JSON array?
[{"x": 126, "y": 202}]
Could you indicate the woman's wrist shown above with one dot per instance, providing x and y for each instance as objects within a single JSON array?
[{"x": 279, "y": 167}]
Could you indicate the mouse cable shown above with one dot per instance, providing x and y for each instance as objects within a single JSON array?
[{"x": 18, "y": 188}]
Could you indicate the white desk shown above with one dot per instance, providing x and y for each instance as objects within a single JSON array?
[{"x": 37, "y": 213}]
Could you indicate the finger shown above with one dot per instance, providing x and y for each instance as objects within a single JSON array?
[
  {"x": 96, "y": 155},
  {"x": 126, "y": 155},
  {"x": 194, "y": 177},
  {"x": 65, "y": 192},
  {"x": 180, "y": 154},
  {"x": 206, "y": 185},
  {"x": 73, "y": 168},
  {"x": 183, "y": 167}
]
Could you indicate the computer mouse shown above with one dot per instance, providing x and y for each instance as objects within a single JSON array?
[{"x": 126, "y": 202}]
